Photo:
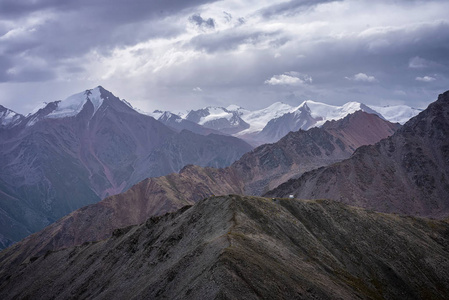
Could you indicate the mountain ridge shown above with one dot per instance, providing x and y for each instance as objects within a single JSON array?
[
  {"x": 406, "y": 173},
  {"x": 54, "y": 164},
  {"x": 270, "y": 124},
  {"x": 251, "y": 174},
  {"x": 246, "y": 247}
]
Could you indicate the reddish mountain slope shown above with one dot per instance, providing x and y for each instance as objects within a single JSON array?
[
  {"x": 270, "y": 165},
  {"x": 92, "y": 145},
  {"x": 294, "y": 154},
  {"x": 407, "y": 173}
]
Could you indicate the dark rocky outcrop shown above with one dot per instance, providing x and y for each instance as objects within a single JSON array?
[
  {"x": 236, "y": 247},
  {"x": 407, "y": 173}
]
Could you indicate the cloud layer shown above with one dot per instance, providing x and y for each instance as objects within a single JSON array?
[{"x": 157, "y": 54}]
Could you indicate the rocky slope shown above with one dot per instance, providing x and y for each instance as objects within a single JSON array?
[
  {"x": 247, "y": 248},
  {"x": 75, "y": 152},
  {"x": 407, "y": 173},
  {"x": 269, "y": 165},
  {"x": 150, "y": 197},
  {"x": 252, "y": 174}
]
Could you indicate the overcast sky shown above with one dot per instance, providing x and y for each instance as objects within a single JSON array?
[{"x": 180, "y": 54}]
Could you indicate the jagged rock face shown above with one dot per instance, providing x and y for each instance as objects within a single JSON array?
[
  {"x": 247, "y": 248},
  {"x": 58, "y": 159},
  {"x": 407, "y": 173},
  {"x": 266, "y": 166}
]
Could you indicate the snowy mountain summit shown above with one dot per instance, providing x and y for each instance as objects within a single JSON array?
[
  {"x": 257, "y": 127},
  {"x": 8, "y": 117},
  {"x": 269, "y": 124},
  {"x": 74, "y": 104}
]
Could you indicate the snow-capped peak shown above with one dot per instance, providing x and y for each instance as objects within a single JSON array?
[
  {"x": 8, "y": 116},
  {"x": 396, "y": 113},
  {"x": 37, "y": 108},
  {"x": 234, "y": 107},
  {"x": 258, "y": 119},
  {"x": 327, "y": 112},
  {"x": 74, "y": 104},
  {"x": 155, "y": 114},
  {"x": 216, "y": 113}
]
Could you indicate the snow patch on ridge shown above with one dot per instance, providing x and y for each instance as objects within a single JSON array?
[
  {"x": 396, "y": 113},
  {"x": 95, "y": 98},
  {"x": 37, "y": 108},
  {"x": 74, "y": 104},
  {"x": 8, "y": 116},
  {"x": 327, "y": 112},
  {"x": 330, "y": 112},
  {"x": 259, "y": 119},
  {"x": 216, "y": 113}
]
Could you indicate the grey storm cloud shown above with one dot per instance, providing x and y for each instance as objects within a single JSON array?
[
  {"x": 66, "y": 29},
  {"x": 291, "y": 7},
  {"x": 200, "y": 22},
  {"x": 164, "y": 50},
  {"x": 108, "y": 10},
  {"x": 232, "y": 39}
]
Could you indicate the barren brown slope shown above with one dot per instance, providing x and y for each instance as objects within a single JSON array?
[
  {"x": 407, "y": 173},
  {"x": 150, "y": 197},
  {"x": 236, "y": 247},
  {"x": 269, "y": 165}
]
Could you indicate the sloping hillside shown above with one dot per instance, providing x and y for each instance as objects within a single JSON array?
[
  {"x": 246, "y": 248},
  {"x": 407, "y": 173}
]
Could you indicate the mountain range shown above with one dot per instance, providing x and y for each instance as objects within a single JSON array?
[
  {"x": 407, "y": 173},
  {"x": 235, "y": 246},
  {"x": 270, "y": 124},
  {"x": 253, "y": 174},
  {"x": 70, "y": 153},
  {"x": 75, "y": 152}
]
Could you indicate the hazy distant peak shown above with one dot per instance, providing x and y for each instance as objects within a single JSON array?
[
  {"x": 234, "y": 107},
  {"x": 396, "y": 113},
  {"x": 8, "y": 116}
]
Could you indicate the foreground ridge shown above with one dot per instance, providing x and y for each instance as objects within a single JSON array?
[{"x": 246, "y": 247}]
